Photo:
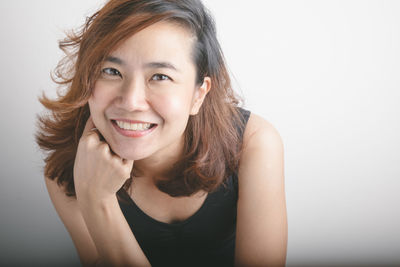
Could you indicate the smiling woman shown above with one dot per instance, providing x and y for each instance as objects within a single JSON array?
[{"x": 149, "y": 149}]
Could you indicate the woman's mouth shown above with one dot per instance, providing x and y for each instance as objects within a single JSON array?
[{"x": 133, "y": 129}]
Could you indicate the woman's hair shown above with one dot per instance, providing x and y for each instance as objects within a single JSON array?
[{"x": 212, "y": 137}]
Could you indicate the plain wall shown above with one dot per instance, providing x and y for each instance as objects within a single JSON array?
[{"x": 325, "y": 73}]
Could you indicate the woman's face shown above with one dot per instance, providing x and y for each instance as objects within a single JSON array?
[{"x": 146, "y": 92}]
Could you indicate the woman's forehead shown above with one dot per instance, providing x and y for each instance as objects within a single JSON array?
[{"x": 162, "y": 42}]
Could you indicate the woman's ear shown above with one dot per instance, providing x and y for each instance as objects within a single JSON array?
[{"x": 199, "y": 95}]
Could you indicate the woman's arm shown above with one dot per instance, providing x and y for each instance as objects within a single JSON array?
[
  {"x": 70, "y": 214},
  {"x": 94, "y": 219},
  {"x": 97, "y": 227},
  {"x": 261, "y": 235}
]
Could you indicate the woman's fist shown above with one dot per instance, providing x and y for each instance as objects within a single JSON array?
[{"x": 98, "y": 172}]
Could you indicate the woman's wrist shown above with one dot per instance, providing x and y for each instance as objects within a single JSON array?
[{"x": 95, "y": 202}]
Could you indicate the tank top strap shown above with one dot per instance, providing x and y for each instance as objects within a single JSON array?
[{"x": 244, "y": 116}]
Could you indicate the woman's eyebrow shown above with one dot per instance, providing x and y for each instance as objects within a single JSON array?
[
  {"x": 161, "y": 65},
  {"x": 149, "y": 65},
  {"x": 115, "y": 60}
]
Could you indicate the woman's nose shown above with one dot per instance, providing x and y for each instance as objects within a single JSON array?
[{"x": 133, "y": 96}]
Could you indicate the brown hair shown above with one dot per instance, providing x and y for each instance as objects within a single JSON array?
[{"x": 212, "y": 137}]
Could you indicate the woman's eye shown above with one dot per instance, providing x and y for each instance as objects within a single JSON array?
[
  {"x": 111, "y": 72},
  {"x": 160, "y": 77}
]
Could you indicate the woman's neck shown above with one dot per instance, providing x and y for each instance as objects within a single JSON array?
[{"x": 158, "y": 164}]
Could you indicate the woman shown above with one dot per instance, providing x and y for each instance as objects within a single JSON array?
[{"x": 151, "y": 160}]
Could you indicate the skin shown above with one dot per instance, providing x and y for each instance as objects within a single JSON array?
[
  {"x": 261, "y": 227},
  {"x": 95, "y": 221}
]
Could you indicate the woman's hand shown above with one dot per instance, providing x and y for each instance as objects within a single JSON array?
[{"x": 98, "y": 172}]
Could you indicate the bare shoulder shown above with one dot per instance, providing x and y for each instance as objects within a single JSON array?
[
  {"x": 260, "y": 135},
  {"x": 58, "y": 197},
  {"x": 262, "y": 156},
  {"x": 57, "y": 192}
]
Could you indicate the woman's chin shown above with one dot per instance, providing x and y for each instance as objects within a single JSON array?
[{"x": 131, "y": 156}]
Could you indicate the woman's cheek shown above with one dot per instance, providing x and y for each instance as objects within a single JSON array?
[{"x": 174, "y": 106}]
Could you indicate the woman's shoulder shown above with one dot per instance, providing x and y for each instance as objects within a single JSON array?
[
  {"x": 260, "y": 132},
  {"x": 262, "y": 148}
]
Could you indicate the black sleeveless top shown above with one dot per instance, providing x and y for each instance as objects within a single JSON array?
[{"x": 207, "y": 238}]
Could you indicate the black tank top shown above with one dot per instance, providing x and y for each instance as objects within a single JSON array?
[{"x": 207, "y": 238}]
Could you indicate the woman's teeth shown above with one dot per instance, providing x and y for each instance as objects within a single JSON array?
[{"x": 133, "y": 126}]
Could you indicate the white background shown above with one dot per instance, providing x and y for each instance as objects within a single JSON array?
[{"x": 325, "y": 73}]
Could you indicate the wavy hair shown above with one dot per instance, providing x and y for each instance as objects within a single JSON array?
[{"x": 212, "y": 138}]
